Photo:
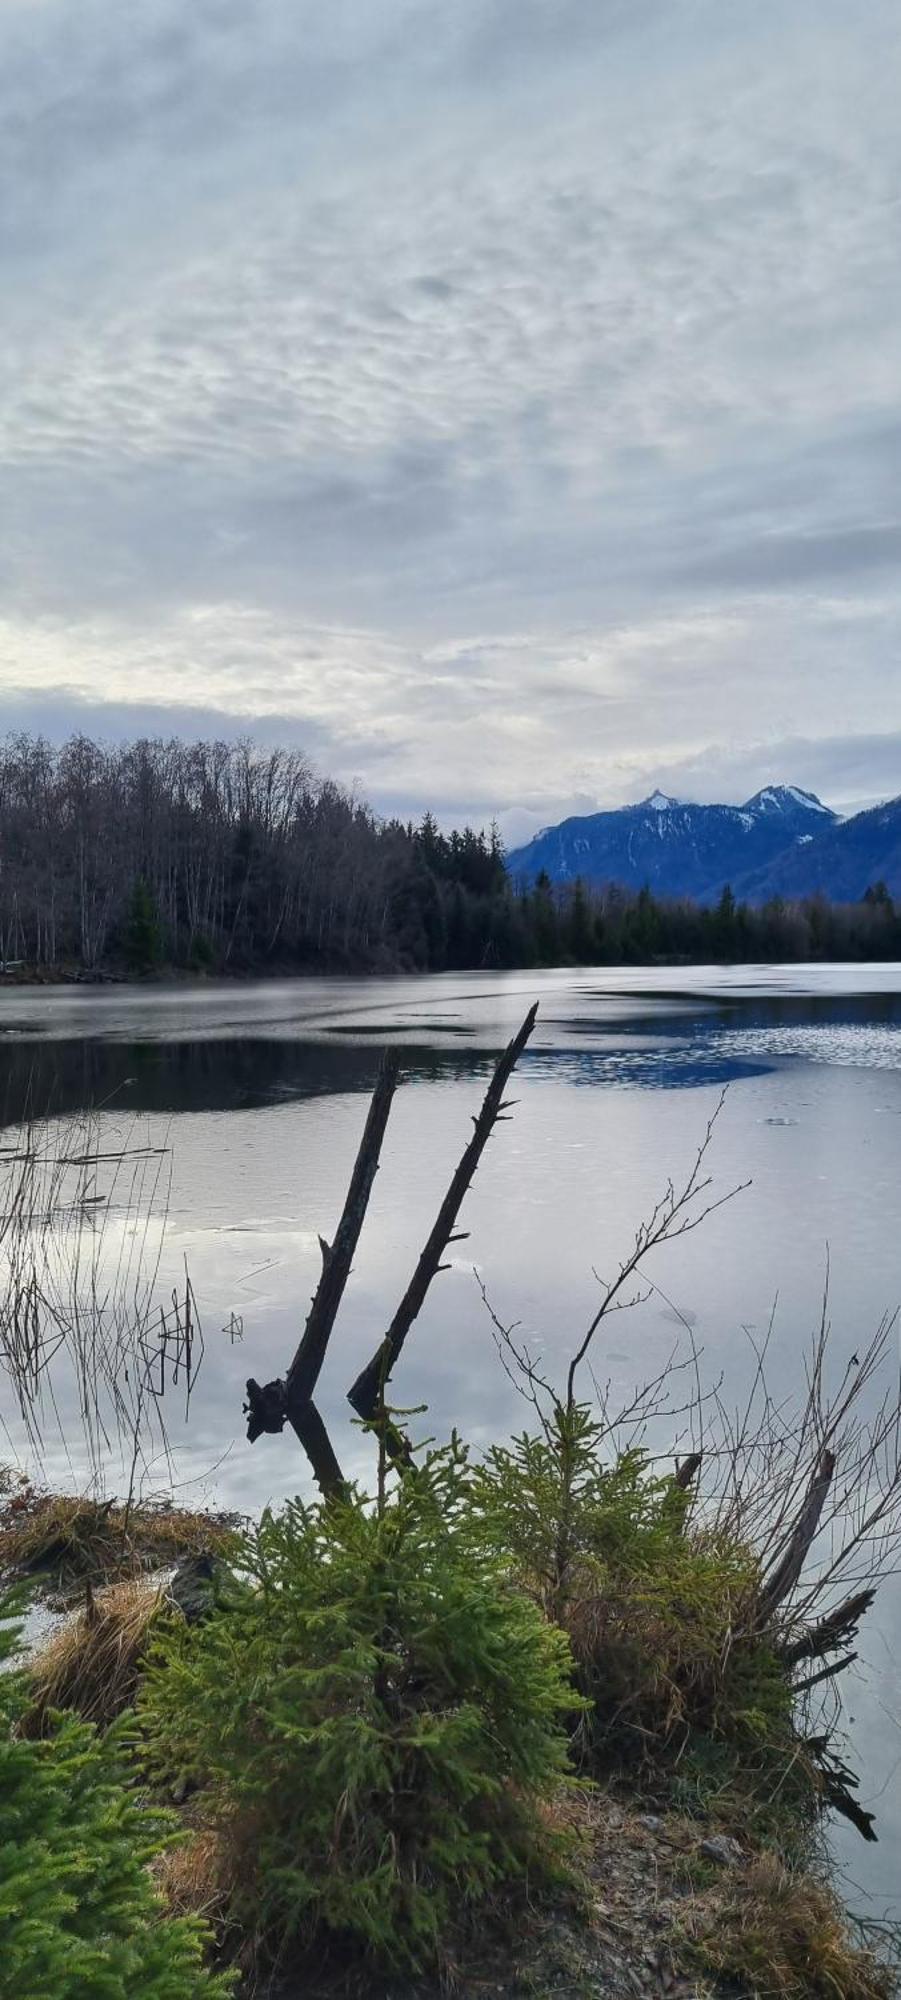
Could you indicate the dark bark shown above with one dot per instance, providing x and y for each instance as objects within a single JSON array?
[
  {"x": 831, "y": 1631},
  {"x": 781, "y": 1581},
  {"x": 273, "y": 1404},
  {"x": 827, "y": 1673},
  {"x": 368, "y": 1389},
  {"x": 337, "y": 1257}
]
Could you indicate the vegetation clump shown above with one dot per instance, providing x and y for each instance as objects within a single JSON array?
[
  {"x": 92, "y": 1663},
  {"x": 782, "y": 1936},
  {"x": 375, "y": 1717},
  {"x": 681, "y": 1688},
  {"x": 377, "y": 1708},
  {"x": 79, "y": 1913},
  {"x": 73, "y": 1537}
]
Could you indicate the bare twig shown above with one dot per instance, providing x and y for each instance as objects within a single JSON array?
[{"x": 674, "y": 1215}]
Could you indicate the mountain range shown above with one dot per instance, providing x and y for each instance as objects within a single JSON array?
[{"x": 782, "y": 842}]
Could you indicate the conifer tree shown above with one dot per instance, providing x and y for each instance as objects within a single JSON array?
[{"x": 79, "y": 1914}]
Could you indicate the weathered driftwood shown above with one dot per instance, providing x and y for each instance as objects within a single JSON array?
[
  {"x": 839, "y": 1786},
  {"x": 289, "y": 1399},
  {"x": 826, "y": 1673}
]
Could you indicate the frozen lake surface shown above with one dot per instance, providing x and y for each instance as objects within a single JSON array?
[{"x": 259, "y": 1090}]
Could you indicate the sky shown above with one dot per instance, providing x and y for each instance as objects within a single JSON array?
[{"x": 500, "y": 399}]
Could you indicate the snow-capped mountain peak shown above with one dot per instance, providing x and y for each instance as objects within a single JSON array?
[
  {"x": 658, "y": 802},
  {"x": 786, "y": 799}
]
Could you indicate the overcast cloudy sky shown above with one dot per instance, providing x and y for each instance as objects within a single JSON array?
[{"x": 501, "y": 398}]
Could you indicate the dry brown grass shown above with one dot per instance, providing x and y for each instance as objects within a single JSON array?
[
  {"x": 781, "y": 1936},
  {"x": 196, "y": 1876},
  {"x": 92, "y": 1664},
  {"x": 71, "y": 1537}
]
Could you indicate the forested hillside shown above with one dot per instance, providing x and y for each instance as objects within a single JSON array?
[{"x": 227, "y": 858}]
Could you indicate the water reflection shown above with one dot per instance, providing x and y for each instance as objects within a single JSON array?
[{"x": 234, "y": 1074}]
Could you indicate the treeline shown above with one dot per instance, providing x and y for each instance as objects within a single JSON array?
[
  {"x": 223, "y": 857},
  {"x": 619, "y": 927}
]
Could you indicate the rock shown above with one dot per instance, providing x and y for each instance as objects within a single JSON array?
[
  {"x": 192, "y": 1586},
  {"x": 720, "y": 1848}
]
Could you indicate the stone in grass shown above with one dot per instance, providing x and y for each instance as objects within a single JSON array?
[{"x": 720, "y": 1848}]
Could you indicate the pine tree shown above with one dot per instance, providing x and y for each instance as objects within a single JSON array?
[
  {"x": 142, "y": 941},
  {"x": 373, "y": 1716},
  {"x": 580, "y": 933},
  {"x": 79, "y": 1914},
  {"x": 546, "y": 921}
]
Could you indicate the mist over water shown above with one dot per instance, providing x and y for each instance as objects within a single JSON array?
[{"x": 260, "y": 1093}]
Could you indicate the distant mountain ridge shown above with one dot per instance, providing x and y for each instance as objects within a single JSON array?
[
  {"x": 783, "y": 841},
  {"x": 844, "y": 860}
]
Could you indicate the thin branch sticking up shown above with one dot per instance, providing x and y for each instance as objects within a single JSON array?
[{"x": 370, "y": 1383}]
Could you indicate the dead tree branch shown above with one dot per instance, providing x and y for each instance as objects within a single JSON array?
[
  {"x": 305, "y": 1368},
  {"x": 273, "y": 1404},
  {"x": 781, "y": 1580},
  {"x": 832, "y": 1630},
  {"x": 370, "y": 1383},
  {"x": 826, "y": 1673}
]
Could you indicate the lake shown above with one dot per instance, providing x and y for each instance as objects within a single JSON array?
[{"x": 259, "y": 1093}]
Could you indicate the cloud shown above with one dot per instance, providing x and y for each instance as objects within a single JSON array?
[{"x": 505, "y": 395}]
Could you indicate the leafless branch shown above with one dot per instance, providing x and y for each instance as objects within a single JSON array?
[
  {"x": 674, "y": 1215},
  {"x": 372, "y": 1379}
]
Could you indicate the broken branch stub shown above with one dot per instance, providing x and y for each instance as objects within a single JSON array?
[
  {"x": 832, "y": 1630},
  {"x": 781, "y": 1581},
  {"x": 368, "y": 1389}
]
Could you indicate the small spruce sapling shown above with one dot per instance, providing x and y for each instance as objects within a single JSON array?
[
  {"x": 79, "y": 1913},
  {"x": 376, "y": 1718}
]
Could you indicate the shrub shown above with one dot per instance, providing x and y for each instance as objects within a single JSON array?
[
  {"x": 375, "y": 1715},
  {"x": 78, "y": 1911},
  {"x": 659, "y": 1614}
]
